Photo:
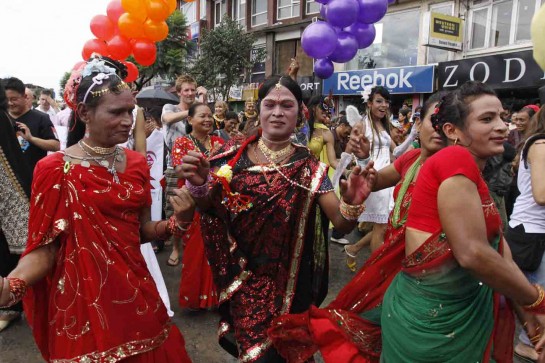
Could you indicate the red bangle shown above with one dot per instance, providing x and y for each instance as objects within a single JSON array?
[
  {"x": 17, "y": 290},
  {"x": 161, "y": 236},
  {"x": 175, "y": 228}
]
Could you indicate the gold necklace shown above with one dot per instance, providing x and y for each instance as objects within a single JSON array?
[
  {"x": 275, "y": 156},
  {"x": 250, "y": 115},
  {"x": 100, "y": 150}
]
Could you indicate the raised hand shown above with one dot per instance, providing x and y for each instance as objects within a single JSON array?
[
  {"x": 195, "y": 168},
  {"x": 183, "y": 204},
  {"x": 358, "y": 144},
  {"x": 359, "y": 185}
]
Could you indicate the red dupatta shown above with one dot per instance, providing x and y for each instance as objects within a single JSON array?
[{"x": 99, "y": 302}]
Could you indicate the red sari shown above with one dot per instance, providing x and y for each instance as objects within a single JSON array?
[
  {"x": 197, "y": 289},
  {"x": 345, "y": 331},
  {"x": 99, "y": 303}
]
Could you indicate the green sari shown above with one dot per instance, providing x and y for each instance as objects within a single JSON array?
[{"x": 436, "y": 311}]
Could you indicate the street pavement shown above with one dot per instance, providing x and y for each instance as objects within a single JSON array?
[{"x": 198, "y": 328}]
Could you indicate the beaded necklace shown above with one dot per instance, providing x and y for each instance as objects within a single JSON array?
[
  {"x": 218, "y": 121},
  {"x": 100, "y": 160},
  {"x": 397, "y": 221},
  {"x": 250, "y": 115}
]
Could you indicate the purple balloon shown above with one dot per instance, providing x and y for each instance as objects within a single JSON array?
[
  {"x": 324, "y": 1},
  {"x": 319, "y": 39},
  {"x": 323, "y": 68},
  {"x": 342, "y": 13},
  {"x": 323, "y": 12},
  {"x": 372, "y": 11},
  {"x": 364, "y": 33},
  {"x": 347, "y": 47}
]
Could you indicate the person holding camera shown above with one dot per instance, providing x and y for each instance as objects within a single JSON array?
[{"x": 34, "y": 129}]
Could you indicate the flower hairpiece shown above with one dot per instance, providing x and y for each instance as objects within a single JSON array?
[
  {"x": 366, "y": 92},
  {"x": 435, "y": 121}
]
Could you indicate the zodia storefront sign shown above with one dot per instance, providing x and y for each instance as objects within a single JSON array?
[
  {"x": 398, "y": 80},
  {"x": 502, "y": 71}
]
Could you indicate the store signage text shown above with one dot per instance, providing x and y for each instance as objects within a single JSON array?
[
  {"x": 413, "y": 79},
  {"x": 510, "y": 70}
]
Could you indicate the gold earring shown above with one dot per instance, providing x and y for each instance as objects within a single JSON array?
[{"x": 455, "y": 141}]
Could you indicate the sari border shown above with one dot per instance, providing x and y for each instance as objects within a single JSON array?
[{"x": 122, "y": 351}]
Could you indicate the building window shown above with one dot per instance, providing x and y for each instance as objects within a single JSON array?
[
  {"x": 287, "y": 9},
  {"x": 436, "y": 55},
  {"x": 259, "y": 12},
  {"x": 220, "y": 10},
  {"x": 239, "y": 12},
  {"x": 258, "y": 70},
  {"x": 497, "y": 23},
  {"x": 190, "y": 12},
  {"x": 313, "y": 7},
  {"x": 202, "y": 5},
  {"x": 396, "y": 43},
  {"x": 285, "y": 50}
]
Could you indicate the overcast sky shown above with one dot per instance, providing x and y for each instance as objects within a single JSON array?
[{"x": 40, "y": 40}]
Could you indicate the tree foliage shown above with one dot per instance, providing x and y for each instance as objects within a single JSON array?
[
  {"x": 63, "y": 81},
  {"x": 171, "y": 53},
  {"x": 225, "y": 57}
]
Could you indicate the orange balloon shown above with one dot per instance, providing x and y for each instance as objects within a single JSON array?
[
  {"x": 157, "y": 10},
  {"x": 155, "y": 31},
  {"x": 130, "y": 27},
  {"x": 136, "y": 8},
  {"x": 171, "y": 5}
]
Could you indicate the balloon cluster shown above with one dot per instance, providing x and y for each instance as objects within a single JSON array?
[
  {"x": 348, "y": 25},
  {"x": 131, "y": 27}
]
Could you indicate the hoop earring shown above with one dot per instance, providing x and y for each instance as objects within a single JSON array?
[{"x": 456, "y": 142}]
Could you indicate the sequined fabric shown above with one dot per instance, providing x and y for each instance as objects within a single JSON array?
[
  {"x": 99, "y": 303},
  {"x": 268, "y": 259},
  {"x": 14, "y": 207}
]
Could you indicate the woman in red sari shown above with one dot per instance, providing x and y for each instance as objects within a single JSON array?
[
  {"x": 90, "y": 296},
  {"x": 358, "y": 338},
  {"x": 197, "y": 289},
  {"x": 259, "y": 223}
]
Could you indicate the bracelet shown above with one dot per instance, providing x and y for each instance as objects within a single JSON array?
[
  {"x": 351, "y": 212},
  {"x": 198, "y": 191},
  {"x": 17, "y": 289},
  {"x": 538, "y": 306},
  {"x": 175, "y": 228},
  {"x": 161, "y": 236}
]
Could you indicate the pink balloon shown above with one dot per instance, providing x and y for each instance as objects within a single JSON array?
[{"x": 114, "y": 10}]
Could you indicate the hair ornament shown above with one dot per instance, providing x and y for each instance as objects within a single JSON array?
[
  {"x": 97, "y": 65},
  {"x": 98, "y": 80},
  {"x": 366, "y": 92},
  {"x": 435, "y": 121}
]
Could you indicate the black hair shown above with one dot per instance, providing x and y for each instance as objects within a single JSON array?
[
  {"x": 434, "y": 98},
  {"x": 342, "y": 120},
  {"x": 3, "y": 98},
  {"x": 15, "y": 84},
  {"x": 47, "y": 92},
  {"x": 287, "y": 82},
  {"x": 404, "y": 111},
  {"x": 312, "y": 103},
  {"x": 191, "y": 113},
  {"x": 454, "y": 107},
  {"x": 113, "y": 84},
  {"x": 229, "y": 115}
]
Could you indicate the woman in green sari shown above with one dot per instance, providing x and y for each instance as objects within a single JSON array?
[{"x": 446, "y": 305}]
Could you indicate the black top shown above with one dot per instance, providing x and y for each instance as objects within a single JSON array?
[{"x": 40, "y": 126}]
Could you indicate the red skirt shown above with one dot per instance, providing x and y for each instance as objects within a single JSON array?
[
  {"x": 197, "y": 289},
  {"x": 172, "y": 351}
]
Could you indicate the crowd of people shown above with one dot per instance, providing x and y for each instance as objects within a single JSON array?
[{"x": 450, "y": 193}]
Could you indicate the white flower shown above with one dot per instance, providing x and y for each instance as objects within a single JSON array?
[
  {"x": 96, "y": 66},
  {"x": 366, "y": 92}
]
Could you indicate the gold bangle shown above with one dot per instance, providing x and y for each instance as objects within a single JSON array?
[{"x": 540, "y": 297}]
